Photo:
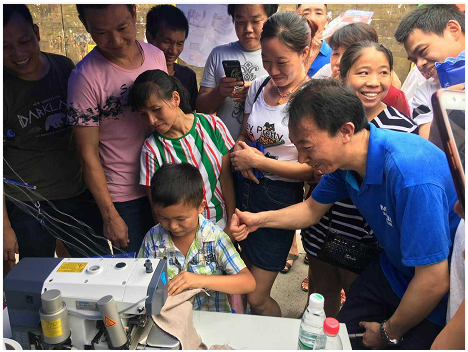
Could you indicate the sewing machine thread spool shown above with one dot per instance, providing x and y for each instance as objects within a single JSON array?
[
  {"x": 54, "y": 318},
  {"x": 112, "y": 322}
]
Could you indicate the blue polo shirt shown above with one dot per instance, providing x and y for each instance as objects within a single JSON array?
[
  {"x": 323, "y": 58},
  {"x": 407, "y": 197}
]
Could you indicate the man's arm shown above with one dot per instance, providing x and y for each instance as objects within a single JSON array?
[
  {"x": 87, "y": 140},
  {"x": 431, "y": 282},
  {"x": 297, "y": 216},
  {"x": 240, "y": 283},
  {"x": 209, "y": 99}
]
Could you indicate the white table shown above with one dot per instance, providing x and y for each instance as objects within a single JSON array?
[
  {"x": 252, "y": 332},
  {"x": 240, "y": 331}
]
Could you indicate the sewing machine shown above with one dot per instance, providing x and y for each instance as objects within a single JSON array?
[{"x": 87, "y": 303}]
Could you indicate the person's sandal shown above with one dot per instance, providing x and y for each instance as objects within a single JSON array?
[
  {"x": 305, "y": 284},
  {"x": 287, "y": 266}
]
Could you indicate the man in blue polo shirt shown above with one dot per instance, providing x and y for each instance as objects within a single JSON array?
[
  {"x": 320, "y": 51},
  {"x": 402, "y": 185}
]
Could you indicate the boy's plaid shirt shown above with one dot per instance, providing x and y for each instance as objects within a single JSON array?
[{"x": 211, "y": 253}]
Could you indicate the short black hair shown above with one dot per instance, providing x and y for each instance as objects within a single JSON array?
[
  {"x": 10, "y": 9},
  {"x": 429, "y": 19},
  {"x": 159, "y": 83},
  {"x": 354, "y": 52},
  {"x": 82, "y": 7},
  {"x": 352, "y": 33},
  {"x": 269, "y": 9},
  {"x": 174, "y": 184},
  {"x": 329, "y": 102},
  {"x": 168, "y": 15}
]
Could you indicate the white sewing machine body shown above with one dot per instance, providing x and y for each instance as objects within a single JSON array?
[{"x": 137, "y": 286}]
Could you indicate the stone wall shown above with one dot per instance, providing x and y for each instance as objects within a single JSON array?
[{"x": 63, "y": 33}]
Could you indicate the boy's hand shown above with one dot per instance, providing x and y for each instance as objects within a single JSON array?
[{"x": 183, "y": 281}]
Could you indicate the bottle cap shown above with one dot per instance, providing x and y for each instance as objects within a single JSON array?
[
  {"x": 316, "y": 301},
  {"x": 331, "y": 326}
]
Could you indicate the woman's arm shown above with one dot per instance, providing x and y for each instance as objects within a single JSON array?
[
  {"x": 227, "y": 187},
  {"x": 248, "y": 158}
]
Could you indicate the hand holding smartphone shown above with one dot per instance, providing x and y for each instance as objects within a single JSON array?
[{"x": 233, "y": 69}]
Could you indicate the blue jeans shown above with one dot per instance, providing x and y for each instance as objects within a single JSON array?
[
  {"x": 139, "y": 220},
  {"x": 266, "y": 248},
  {"x": 36, "y": 239}
]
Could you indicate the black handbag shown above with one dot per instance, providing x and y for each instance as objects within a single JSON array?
[{"x": 346, "y": 252}]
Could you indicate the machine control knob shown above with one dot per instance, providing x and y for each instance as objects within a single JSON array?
[{"x": 148, "y": 266}]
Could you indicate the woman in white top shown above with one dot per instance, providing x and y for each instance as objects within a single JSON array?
[{"x": 285, "y": 44}]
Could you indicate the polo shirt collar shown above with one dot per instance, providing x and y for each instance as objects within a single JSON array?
[
  {"x": 325, "y": 49},
  {"x": 375, "y": 156}
]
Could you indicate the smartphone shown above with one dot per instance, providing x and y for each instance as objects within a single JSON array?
[
  {"x": 448, "y": 132},
  {"x": 232, "y": 68}
]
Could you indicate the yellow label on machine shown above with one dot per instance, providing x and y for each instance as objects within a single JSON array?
[
  {"x": 72, "y": 267},
  {"x": 52, "y": 328}
]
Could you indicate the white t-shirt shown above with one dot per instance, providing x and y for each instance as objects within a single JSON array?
[
  {"x": 229, "y": 112},
  {"x": 421, "y": 104},
  {"x": 265, "y": 125},
  {"x": 324, "y": 72},
  {"x": 457, "y": 272}
]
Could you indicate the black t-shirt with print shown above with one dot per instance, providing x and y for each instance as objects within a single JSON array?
[{"x": 42, "y": 151}]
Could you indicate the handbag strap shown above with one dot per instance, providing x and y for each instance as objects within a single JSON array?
[{"x": 265, "y": 82}]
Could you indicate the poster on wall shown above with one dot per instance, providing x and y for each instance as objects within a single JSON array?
[{"x": 210, "y": 26}]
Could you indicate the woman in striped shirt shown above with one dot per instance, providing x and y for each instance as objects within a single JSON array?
[
  {"x": 366, "y": 67},
  {"x": 182, "y": 136}
]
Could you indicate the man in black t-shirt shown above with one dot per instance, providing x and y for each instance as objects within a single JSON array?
[
  {"x": 38, "y": 150},
  {"x": 167, "y": 28}
]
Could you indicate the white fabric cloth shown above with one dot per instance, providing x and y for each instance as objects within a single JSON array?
[
  {"x": 324, "y": 72},
  {"x": 229, "y": 112},
  {"x": 421, "y": 105},
  {"x": 265, "y": 125},
  {"x": 457, "y": 272},
  {"x": 412, "y": 82}
]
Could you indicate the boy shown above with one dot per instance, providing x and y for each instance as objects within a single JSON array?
[
  {"x": 430, "y": 34},
  {"x": 167, "y": 28},
  {"x": 199, "y": 253}
]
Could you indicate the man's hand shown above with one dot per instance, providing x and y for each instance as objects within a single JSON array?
[
  {"x": 116, "y": 231},
  {"x": 372, "y": 338},
  {"x": 10, "y": 244},
  {"x": 243, "y": 223},
  {"x": 183, "y": 281},
  {"x": 239, "y": 95},
  {"x": 246, "y": 157},
  {"x": 226, "y": 86}
]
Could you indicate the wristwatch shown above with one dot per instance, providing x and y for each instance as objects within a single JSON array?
[{"x": 388, "y": 341}]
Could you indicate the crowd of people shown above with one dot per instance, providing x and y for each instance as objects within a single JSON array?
[{"x": 127, "y": 155}]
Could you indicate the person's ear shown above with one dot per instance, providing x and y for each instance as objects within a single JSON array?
[
  {"x": 305, "y": 54},
  {"x": 176, "y": 98},
  {"x": 36, "y": 32},
  {"x": 201, "y": 207},
  {"x": 347, "y": 132},
  {"x": 454, "y": 29}
]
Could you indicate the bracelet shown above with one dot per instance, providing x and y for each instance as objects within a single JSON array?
[{"x": 388, "y": 341}]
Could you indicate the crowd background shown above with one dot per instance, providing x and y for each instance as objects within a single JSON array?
[{"x": 73, "y": 41}]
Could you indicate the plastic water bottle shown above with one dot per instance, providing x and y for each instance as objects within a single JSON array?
[
  {"x": 331, "y": 328},
  {"x": 311, "y": 335}
]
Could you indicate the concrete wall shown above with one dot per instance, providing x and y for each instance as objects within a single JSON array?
[{"x": 62, "y": 32}]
